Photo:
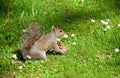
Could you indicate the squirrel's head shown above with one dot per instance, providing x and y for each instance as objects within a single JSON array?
[{"x": 58, "y": 31}]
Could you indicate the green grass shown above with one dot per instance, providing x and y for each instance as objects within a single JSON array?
[{"x": 89, "y": 58}]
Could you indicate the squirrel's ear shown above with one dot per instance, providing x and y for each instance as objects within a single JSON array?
[{"x": 53, "y": 28}]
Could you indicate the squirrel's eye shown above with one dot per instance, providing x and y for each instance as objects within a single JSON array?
[{"x": 60, "y": 31}]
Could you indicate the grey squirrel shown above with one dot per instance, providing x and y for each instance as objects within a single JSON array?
[{"x": 35, "y": 46}]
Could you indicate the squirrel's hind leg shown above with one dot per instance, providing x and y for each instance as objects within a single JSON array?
[{"x": 38, "y": 55}]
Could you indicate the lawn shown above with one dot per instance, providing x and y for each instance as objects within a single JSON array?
[{"x": 92, "y": 53}]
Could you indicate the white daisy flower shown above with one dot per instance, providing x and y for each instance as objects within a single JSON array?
[
  {"x": 65, "y": 36},
  {"x": 58, "y": 39},
  {"x": 108, "y": 20},
  {"x": 23, "y": 30},
  {"x": 72, "y": 35},
  {"x": 74, "y": 43},
  {"x": 104, "y": 22},
  {"x": 108, "y": 27},
  {"x": 117, "y": 50},
  {"x": 20, "y": 67},
  {"x": 14, "y": 56},
  {"x": 92, "y": 20},
  {"x": 29, "y": 57},
  {"x": 118, "y": 25}
]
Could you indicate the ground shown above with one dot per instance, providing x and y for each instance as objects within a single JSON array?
[{"x": 92, "y": 53}]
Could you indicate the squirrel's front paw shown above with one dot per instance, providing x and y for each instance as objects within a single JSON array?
[{"x": 62, "y": 47}]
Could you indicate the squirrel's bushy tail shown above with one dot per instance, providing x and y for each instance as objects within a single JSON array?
[{"x": 31, "y": 34}]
